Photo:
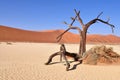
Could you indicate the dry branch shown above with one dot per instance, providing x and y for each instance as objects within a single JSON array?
[
  {"x": 95, "y": 20},
  {"x": 60, "y": 36},
  {"x": 79, "y": 18},
  {"x": 99, "y": 15}
]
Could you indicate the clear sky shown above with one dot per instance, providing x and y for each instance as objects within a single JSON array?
[{"x": 50, "y": 14}]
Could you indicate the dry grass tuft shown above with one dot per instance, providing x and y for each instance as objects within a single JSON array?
[{"x": 101, "y": 54}]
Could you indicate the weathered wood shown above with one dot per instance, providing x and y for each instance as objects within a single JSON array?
[
  {"x": 63, "y": 53},
  {"x": 51, "y": 57}
]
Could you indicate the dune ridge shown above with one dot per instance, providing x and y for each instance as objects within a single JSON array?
[{"x": 49, "y": 36}]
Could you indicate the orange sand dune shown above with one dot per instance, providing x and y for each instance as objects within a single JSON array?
[
  {"x": 103, "y": 39},
  {"x": 18, "y": 35}
]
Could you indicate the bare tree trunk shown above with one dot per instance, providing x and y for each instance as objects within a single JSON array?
[{"x": 82, "y": 49}]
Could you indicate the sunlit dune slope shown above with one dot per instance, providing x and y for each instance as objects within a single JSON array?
[{"x": 49, "y": 36}]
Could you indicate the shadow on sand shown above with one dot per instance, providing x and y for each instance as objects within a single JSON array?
[{"x": 73, "y": 68}]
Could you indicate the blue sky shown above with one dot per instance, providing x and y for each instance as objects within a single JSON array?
[{"x": 50, "y": 14}]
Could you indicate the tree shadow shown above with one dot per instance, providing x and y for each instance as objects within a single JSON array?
[
  {"x": 60, "y": 62},
  {"x": 54, "y": 63},
  {"x": 75, "y": 65}
]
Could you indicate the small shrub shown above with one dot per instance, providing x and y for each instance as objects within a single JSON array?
[{"x": 101, "y": 54}]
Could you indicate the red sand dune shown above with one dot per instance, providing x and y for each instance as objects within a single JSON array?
[{"x": 18, "y": 35}]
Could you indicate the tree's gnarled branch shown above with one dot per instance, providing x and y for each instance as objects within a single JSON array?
[
  {"x": 99, "y": 15},
  {"x": 60, "y": 36},
  {"x": 73, "y": 20},
  {"x": 78, "y": 16},
  {"x": 72, "y": 27},
  {"x": 106, "y": 22},
  {"x": 97, "y": 19},
  {"x": 92, "y": 21}
]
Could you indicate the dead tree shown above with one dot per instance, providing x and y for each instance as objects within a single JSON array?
[
  {"x": 63, "y": 53},
  {"x": 83, "y": 31}
]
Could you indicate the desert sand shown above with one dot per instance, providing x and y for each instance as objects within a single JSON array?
[{"x": 25, "y": 61}]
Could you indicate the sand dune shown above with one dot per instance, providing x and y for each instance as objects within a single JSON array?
[{"x": 18, "y": 35}]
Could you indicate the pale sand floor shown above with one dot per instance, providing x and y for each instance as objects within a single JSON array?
[{"x": 25, "y": 61}]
